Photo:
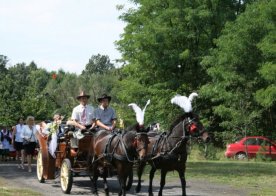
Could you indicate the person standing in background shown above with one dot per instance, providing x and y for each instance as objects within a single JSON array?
[
  {"x": 6, "y": 142},
  {"x": 28, "y": 134},
  {"x": 17, "y": 141}
]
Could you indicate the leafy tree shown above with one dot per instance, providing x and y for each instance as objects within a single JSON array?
[
  {"x": 238, "y": 69},
  {"x": 61, "y": 91},
  {"x": 164, "y": 42},
  {"x": 3, "y": 63},
  {"x": 98, "y": 64}
]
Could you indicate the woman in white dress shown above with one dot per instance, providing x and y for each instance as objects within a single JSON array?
[{"x": 29, "y": 134}]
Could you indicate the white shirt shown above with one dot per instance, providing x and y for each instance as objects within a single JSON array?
[
  {"x": 19, "y": 129},
  {"x": 78, "y": 112},
  {"x": 28, "y": 133}
]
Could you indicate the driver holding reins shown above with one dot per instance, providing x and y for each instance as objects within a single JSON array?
[{"x": 105, "y": 116}]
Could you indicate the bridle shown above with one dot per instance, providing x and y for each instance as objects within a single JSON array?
[
  {"x": 188, "y": 126},
  {"x": 138, "y": 135}
]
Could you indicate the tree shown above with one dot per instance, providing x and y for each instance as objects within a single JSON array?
[
  {"x": 238, "y": 67},
  {"x": 164, "y": 42},
  {"x": 3, "y": 63},
  {"x": 98, "y": 64}
]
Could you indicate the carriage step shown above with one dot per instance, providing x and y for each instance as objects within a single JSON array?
[{"x": 77, "y": 170}]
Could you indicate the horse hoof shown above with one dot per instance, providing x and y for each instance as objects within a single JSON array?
[
  {"x": 106, "y": 192},
  {"x": 138, "y": 189},
  {"x": 96, "y": 193},
  {"x": 151, "y": 194}
]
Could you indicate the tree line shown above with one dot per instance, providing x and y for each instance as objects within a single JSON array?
[{"x": 224, "y": 50}]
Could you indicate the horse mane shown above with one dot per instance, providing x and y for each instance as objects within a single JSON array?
[
  {"x": 132, "y": 128},
  {"x": 137, "y": 128}
]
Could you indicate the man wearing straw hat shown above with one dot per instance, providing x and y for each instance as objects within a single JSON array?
[{"x": 82, "y": 115}]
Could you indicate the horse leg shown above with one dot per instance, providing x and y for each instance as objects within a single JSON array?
[
  {"x": 152, "y": 171},
  {"x": 140, "y": 170},
  {"x": 105, "y": 186},
  {"x": 94, "y": 182},
  {"x": 122, "y": 182},
  {"x": 94, "y": 179},
  {"x": 163, "y": 181},
  {"x": 181, "y": 173}
]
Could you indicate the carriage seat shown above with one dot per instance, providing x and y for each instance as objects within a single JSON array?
[{"x": 152, "y": 134}]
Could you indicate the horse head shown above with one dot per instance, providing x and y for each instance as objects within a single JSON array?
[
  {"x": 194, "y": 128},
  {"x": 189, "y": 123},
  {"x": 141, "y": 140},
  {"x": 140, "y": 143}
]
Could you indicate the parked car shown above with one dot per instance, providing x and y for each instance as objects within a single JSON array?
[{"x": 250, "y": 147}]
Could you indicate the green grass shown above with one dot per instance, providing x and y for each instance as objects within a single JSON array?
[
  {"x": 258, "y": 178},
  {"x": 6, "y": 190}
]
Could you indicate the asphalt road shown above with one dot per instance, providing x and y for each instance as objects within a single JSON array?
[{"x": 82, "y": 186}]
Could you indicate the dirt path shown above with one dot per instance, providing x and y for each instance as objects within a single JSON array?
[{"x": 81, "y": 186}]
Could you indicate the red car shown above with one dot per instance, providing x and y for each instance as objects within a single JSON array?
[{"x": 250, "y": 146}]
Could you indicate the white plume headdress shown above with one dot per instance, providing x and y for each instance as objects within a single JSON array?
[
  {"x": 139, "y": 113},
  {"x": 184, "y": 102}
]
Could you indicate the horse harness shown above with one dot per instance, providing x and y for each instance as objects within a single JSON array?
[
  {"x": 109, "y": 153},
  {"x": 163, "y": 141}
]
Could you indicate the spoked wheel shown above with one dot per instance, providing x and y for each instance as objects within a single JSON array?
[
  {"x": 129, "y": 181},
  {"x": 39, "y": 168},
  {"x": 66, "y": 176}
]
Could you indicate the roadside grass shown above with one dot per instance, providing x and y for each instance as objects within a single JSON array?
[
  {"x": 255, "y": 176},
  {"x": 258, "y": 178},
  {"x": 8, "y": 190}
]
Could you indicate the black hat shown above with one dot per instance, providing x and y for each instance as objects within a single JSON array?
[
  {"x": 104, "y": 96},
  {"x": 82, "y": 94}
]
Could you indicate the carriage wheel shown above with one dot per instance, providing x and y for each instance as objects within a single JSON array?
[
  {"x": 39, "y": 168},
  {"x": 129, "y": 181},
  {"x": 66, "y": 176}
]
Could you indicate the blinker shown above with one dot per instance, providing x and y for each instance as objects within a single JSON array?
[{"x": 193, "y": 128}]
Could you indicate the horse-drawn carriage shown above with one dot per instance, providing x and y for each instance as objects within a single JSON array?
[
  {"x": 99, "y": 154},
  {"x": 68, "y": 161},
  {"x": 101, "y": 150}
]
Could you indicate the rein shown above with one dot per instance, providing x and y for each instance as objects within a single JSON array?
[{"x": 165, "y": 139}]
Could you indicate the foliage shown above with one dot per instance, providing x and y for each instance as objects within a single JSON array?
[
  {"x": 224, "y": 50},
  {"x": 28, "y": 90},
  {"x": 239, "y": 68},
  {"x": 98, "y": 64},
  {"x": 164, "y": 43}
]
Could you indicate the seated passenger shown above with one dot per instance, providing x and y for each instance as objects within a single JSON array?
[
  {"x": 105, "y": 116},
  {"x": 52, "y": 130}
]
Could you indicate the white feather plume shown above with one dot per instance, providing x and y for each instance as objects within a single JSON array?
[
  {"x": 184, "y": 102},
  {"x": 192, "y": 96},
  {"x": 139, "y": 113}
]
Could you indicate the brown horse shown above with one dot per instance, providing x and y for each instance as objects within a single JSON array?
[
  {"x": 168, "y": 152},
  {"x": 117, "y": 151}
]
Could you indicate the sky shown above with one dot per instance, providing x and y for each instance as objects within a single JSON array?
[{"x": 59, "y": 34}]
